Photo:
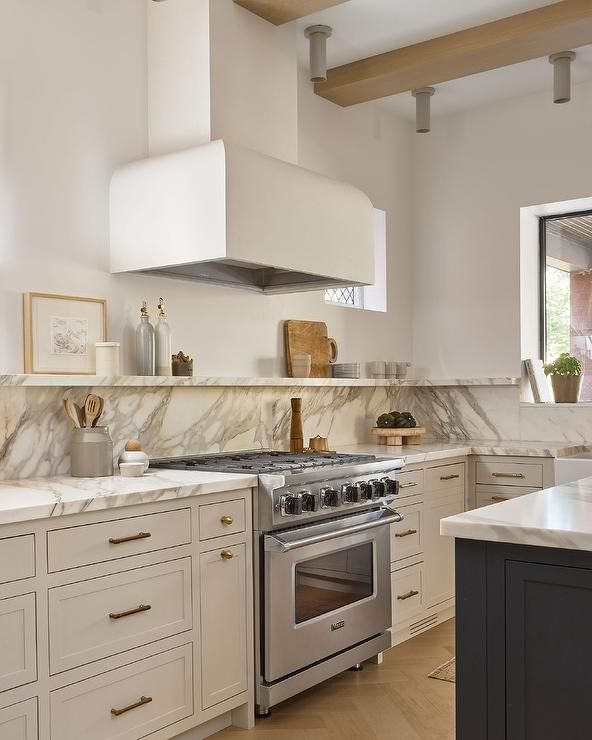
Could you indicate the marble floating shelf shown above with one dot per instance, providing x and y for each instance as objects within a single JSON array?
[{"x": 134, "y": 381}]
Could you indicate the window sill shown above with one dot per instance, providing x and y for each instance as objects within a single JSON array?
[{"x": 552, "y": 404}]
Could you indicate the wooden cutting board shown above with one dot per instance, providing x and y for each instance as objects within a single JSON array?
[{"x": 310, "y": 337}]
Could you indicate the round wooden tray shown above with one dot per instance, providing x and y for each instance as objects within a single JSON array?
[{"x": 398, "y": 437}]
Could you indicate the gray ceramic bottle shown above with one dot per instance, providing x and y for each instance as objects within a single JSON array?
[{"x": 144, "y": 343}]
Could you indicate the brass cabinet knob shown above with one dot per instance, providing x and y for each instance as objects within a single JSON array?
[
  {"x": 226, "y": 555},
  {"x": 227, "y": 520}
]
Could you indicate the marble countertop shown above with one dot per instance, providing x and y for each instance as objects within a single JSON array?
[
  {"x": 433, "y": 450},
  {"x": 557, "y": 517},
  {"x": 42, "y": 498}
]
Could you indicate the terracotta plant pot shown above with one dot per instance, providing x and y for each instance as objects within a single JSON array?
[{"x": 566, "y": 388}]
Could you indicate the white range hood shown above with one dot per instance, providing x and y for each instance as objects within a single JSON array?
[{"x": 231, "y": 216}]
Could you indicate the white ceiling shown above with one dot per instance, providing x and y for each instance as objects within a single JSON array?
[{"x": 362, "y": 28}]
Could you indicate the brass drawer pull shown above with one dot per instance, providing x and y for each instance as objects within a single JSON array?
[
  {"x": 499, "y": 498},
  {"x": 406, "y": 534},
  {"x": 449, "y": 477},
  {"x": 226, "y": 520},
  {"x": 407, "y": 485},
  {"x": 226, "y": 555},
  {"x": 408, "y": 595},
  {"x": 508, "y": 475},
  {"x": 137, "y": 610},
  {"x": 131, "y": 538},
  {"x": 140, "y": 703}
]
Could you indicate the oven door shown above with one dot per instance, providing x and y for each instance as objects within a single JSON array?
[{"x": 326, "y": 589}]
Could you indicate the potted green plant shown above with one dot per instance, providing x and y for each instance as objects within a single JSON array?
[{"x": 566, "y": 378}]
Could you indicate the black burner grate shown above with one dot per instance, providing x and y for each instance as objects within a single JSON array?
[{"x": 259, "y": 462}]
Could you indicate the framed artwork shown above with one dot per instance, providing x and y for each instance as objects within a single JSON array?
[{"x": 61, "y": 331}]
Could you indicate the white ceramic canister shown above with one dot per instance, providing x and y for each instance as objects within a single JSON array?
[
  {"x": 134, "y": 456},
  {"x": 107, "y": 358}
]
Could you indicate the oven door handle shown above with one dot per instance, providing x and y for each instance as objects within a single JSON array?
[{"x": 276, "y": 543}]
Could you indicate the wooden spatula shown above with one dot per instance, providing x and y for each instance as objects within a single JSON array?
[
  {"x": 92, "y": 410},
  {"x": 72, "y": 412}
]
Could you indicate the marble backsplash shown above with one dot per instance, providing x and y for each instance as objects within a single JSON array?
[{"x": 35, "y": 433}]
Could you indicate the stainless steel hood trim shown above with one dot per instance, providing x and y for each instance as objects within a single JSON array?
[{"x": 246, "y": 276}]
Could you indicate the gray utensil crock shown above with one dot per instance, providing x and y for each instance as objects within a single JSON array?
[{"x": 91, "y": 453}]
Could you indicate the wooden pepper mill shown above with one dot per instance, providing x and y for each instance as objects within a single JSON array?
[{"x": 296, "y": 433}]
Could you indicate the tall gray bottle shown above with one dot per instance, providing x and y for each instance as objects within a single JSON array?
[{"x": 144, "y": 343}]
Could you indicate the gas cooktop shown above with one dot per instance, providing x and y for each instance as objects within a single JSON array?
[{"x": 256, "y": 462}]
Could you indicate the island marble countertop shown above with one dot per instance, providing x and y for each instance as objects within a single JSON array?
[
  {"x": 42, "y": 498},
  {"x": 557, "y": 517},
  {"x": 434, "y": 450}
]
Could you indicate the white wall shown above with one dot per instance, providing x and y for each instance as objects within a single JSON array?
[
  {"x": 178, "y": 59},
  {"x": 254, "y": 81},
  {"x": 73, "y": 106},
  {"x": 473, "y": 174}
]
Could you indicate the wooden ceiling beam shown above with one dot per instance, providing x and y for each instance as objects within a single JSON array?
[
  {"x": 284, "y": 11},
  {"x": 518, "y": 38}
]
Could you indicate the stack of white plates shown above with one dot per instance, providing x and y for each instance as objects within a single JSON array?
[{"x": 346, "y": 370}]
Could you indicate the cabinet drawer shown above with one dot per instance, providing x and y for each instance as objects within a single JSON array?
[
  {"x": 411, "y": 482},
  {"x": 17, "y": 558},
  {"x": 216, "y": 520},
  {"x": 510, "y": 474},
  {"x": 18, "y": 653},
  {"x": 487, "y": 495},
  {"x": 92, "y": 619},
  {"x": 127, "y": 703},
  {"x": 19, "y": 721},
  {"x": 407, "y": 593},
  {"x": 406, "y": 536},
  {"x": 445, "y": 477},
  {"x": 97, "y": 543}
]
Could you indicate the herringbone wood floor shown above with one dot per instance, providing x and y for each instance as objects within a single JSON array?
[{"x": 394, "y": 700}]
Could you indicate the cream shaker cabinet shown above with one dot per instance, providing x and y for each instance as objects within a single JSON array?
[
  {"x": 422, "y": 562},
  {"x": 128, "y": 622},
  {"x": 19, "y": 721},
  {"x": 223, "y": 597}
]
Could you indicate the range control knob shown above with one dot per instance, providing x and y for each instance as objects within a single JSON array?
[
  {"x": 365, "y": 490},
  {"x": 330, "y": 497},
  {"x": 391, "y": 487},
  {"x": 293, "y": 504},
  {"x": 349, "y": 494},
  {"x": 309, "y": 501},
  {"x": 377, "y": 489}
]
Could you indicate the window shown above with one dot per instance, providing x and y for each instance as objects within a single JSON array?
[
  {"x": 371, "y": 297},
  {"x": 566, "y": 288},
  {"x": 344, "y": 296}
]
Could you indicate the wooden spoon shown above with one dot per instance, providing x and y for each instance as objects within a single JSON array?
[
  {"x": 92, "y": 410},
  {"x": 72, "y": 412},
  {"x": 101, "y": 407}
]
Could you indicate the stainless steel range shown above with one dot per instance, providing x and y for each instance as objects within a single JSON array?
[{"x": 322, "y": 562}]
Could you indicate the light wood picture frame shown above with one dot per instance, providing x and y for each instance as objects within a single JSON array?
[{"x": 60, "y": 332}]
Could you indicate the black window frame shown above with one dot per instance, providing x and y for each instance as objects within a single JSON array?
[{"x": 543, "y": 220}]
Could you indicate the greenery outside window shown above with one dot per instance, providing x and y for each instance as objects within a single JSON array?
[{"x": 566, "y": 290}]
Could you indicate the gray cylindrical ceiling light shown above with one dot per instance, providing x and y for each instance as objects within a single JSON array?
[
  {"x": 318, "y": 35},
  {"x": 422, "y": 109},
  {"x": 562, "y": 85}
]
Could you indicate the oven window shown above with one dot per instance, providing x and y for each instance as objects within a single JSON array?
[{"x": 333, "y": 581}]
